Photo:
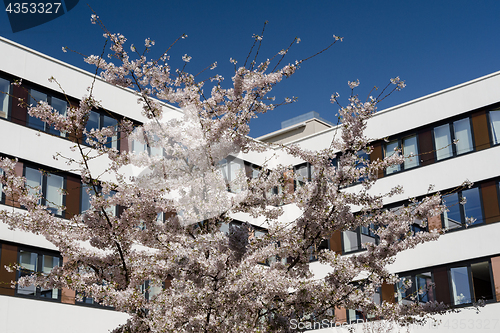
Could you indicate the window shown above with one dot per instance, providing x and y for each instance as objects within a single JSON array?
[
  {"x": 354, "y": 240},
  {"x": 99, "y": 121},
  {"x": 410, "y": 152},
  {"x": 233, "y": 171},
  {"x": 86, "y": 194},
  {"x": 354, "y": 316},
  {"x": 462, "y": 206},
  {"x": 57, "y": 104},
  {"x": 495, "y": 125},
  {"x": 409, "y": 149},
  {"x": 252, "y": 170},
  {"x": 50, "y": 186},
  {"x": 350, "y": 241},
  {"x": 302, "y": 174},
  {"x": 150, "y": 289},
  {"x": 35, "y": 262},
  {"x": 314, "y": 250},
  {"x": 365, "y": 159},
  {"x": 442, "y": 142},
  {"x": 415, "y": 288},
  {"x": 148, "y": 146},
  {"x": 443, "y": 139},
  {"x": 4, "y": 98},
  {"x": 471, "y": 283},
  {"x": 389, "y": 151},
  {"x": 462, "y": 133}
]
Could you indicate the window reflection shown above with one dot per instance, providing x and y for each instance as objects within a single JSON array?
[
  {"x": 442, "y": 142},
  {"x": 462, "y": 207},
  {"x": 4, "y": 98},
  {"x": 495, "y": 125},
  {"x": 462, "y": 133}
]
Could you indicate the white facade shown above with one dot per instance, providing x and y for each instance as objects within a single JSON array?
[{"x": 474, "y": 100}]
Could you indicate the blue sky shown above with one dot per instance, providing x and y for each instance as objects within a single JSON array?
[{"x": 432, "y": 45}]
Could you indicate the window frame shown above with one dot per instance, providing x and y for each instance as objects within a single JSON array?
[
  {"x": 84, "y": 194},
  {"x": 462, "y": 211},
  {"x": 467, "y": 265},
  {"x": 413, "y": 289},
  {"x": 7, "y": 95},
  {"x": 225, "y": 166},
  {"x": 146, "y": 147},
  {"x": 451, "y": 129},
  {"x": 358, "y": 231},
  {"x": 491, "y": 131},
  {"x": 44, "y": 175},
  {"x": 39, "y": 269},
  {"x": 296, "y": 175},
  {"x": 101, "y": 116},
  {"x": 401, "y": 146},
  {"x": 49, "y": 96}
]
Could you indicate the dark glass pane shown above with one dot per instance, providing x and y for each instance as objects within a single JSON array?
[
  {"x": 481, "y": 280},
  {"x": 1, "y": 186},
  {"x": 33, "y": 180},
  {"x": 60, "y": 107},
  {"x": 463, "y": 135},
  {"x": 4, "y": 98},
  {"x": 48, "y": 263},
  {"x": 110, "y": 122},
  {"x": 92, "y": 122},
  {"x": 452, "y": 218},
  {"x": 423, "y": 287},
  {"x": 34, "y": 122},
  {"x": 53, "y": 195},
  {"x": 350, "y": 241},
  {"x": 28, "y": 262},
  {"x": 442, "y": 142},
  {"x": 460, "y": 285},
  {"x": 472, "y": 207},
  {"x": 85, "y": 197},
  {"x": 403, "y": 293},
  {"x": 495, "y": 125},
  {"x": 389, "y": 151},
  {"x": 301, "y": 175},
  {"x": 410, "y": 152}
]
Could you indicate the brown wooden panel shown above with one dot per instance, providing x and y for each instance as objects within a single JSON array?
[
  {"x": 340, "y": 315},
  {"x": 377, "y": 154},
  {"x": 168, "y": 281},
  {"x": 13, "y": 201},
  {"x": 9, "y": 256},
  {"x": 441, "y": 285},
  {"x": 68, "y": 296},
  {"x": 495, "y": 267},
  {"x": 425, "y": 147},
  {"x": 73, "y": 189},
  {"x": 19, "y": 111},
  {"x": 490, "y": 202},
  {"x": 388, "y": 293},
  {"x": 124, "y": 147},
  {"x": 480, "y": 129},
  {"x": 434, "y": 223},
  {"x": 336, "y": 242}
]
